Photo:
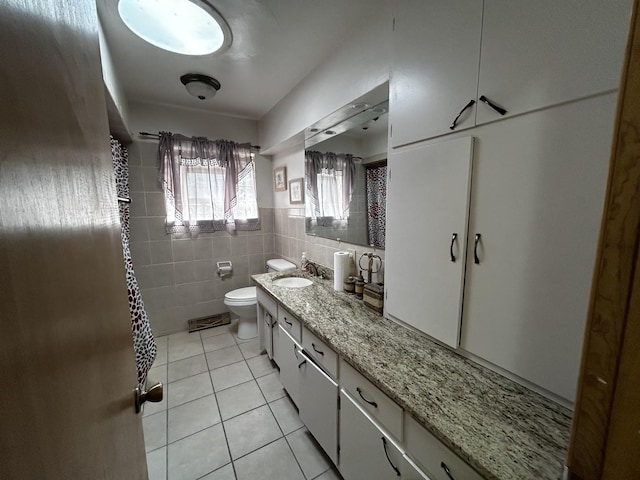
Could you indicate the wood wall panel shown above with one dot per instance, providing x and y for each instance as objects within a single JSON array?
[{"x": 612, "y": 322}]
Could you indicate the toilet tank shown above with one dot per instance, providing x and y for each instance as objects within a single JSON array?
[{"x": 279, "y": 265}]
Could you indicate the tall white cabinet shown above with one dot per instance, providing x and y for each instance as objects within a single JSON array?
[
  {"x": 427, "y": 204},
  {"x": 537, "y": 199},
  {"x": 517, "y": 54},
  {"x": 534, "y": 201}
]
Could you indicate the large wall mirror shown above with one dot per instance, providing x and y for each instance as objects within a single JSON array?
[{"x": 346, "y": 172}]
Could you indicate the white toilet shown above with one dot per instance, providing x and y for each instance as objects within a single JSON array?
[{"x": 242, "y": 301}]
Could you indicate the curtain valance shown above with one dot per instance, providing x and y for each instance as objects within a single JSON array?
[{"x": 202, "y": 180}]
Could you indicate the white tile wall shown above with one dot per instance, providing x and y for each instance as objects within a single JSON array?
[{"x": 177, "y": 273}]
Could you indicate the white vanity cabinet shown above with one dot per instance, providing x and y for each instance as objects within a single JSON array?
[
  {"x": 289, "y": 358},
  {"x": 428, "y": 207},
  {"x": 320, "y": 352},
  {"x": 520, "y": 55},
  {"x": 365, "y": 450},
  {"x": 438, "y": 461},
  {"x": 267, "y": 321},
  {"x": 318, "y": 405},
  {"x": 289, "y": 324}
]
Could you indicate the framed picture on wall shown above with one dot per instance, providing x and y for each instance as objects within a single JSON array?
[
  {"x": 296, "y": 191},
  {"x": 280, "y": 179}
]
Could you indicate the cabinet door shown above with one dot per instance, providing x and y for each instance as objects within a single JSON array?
[
  {"x": 545, "y": 52},
  {"x": 365, "y": 451},
  {"x": 435, "y": 67},
  {"x": 290, "y": 358},
  {"x": 319, "y": 406},
  {"x": 538, "y": 192},
  {"x": 427, "y": 206}
]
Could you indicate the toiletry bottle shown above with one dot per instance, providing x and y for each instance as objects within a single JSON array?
[
  {"x": 359, "y": 285},
  {"x": 304, "y": 262}
]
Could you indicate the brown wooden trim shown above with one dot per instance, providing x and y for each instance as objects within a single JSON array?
[{"x": 610, "y": 330}]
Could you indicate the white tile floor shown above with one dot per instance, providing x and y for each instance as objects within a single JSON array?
[{"x": 225, "y": 415}]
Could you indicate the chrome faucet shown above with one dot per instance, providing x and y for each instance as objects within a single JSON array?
[{"x": 319, "y": 272}]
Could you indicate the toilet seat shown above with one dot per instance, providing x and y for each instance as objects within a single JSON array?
[{"x": 241, "y": 296}]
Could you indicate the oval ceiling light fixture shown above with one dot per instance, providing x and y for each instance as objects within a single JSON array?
[
  {"x": 188, "y": 27},
  {"x": 200, "y": 86}
]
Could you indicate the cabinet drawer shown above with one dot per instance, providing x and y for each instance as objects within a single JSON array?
[
  {"x": 432, "y": 455},
  {"x": 267, "y": 302},
  {"x": 365, "y": 451},
  {"x": 371, "y": 398},
  {"x": 320, "y": 353},
  {"x": 289, "y": 323}
]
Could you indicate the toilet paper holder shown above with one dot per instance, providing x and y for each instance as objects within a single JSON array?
[{"x": 224, "y": 268}]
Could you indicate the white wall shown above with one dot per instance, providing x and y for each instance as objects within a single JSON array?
[
  {"x": 177, "y": 273},
  {"x": 191, "y": 122},
  {"x": 362, "y": 63},
  {"x": 111, "y": 80}
]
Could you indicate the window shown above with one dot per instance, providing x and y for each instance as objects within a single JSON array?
[
  {"x": 208, "y": 186},
  {"x": 330, "y": 182}
]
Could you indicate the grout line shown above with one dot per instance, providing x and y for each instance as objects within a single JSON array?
[{"x": 224, "y": 430}]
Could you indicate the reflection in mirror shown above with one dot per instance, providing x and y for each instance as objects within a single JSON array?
[{"x": 346, "y": 177}]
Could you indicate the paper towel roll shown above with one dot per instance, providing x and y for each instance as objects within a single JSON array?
[{"x": 340, "y": 270}]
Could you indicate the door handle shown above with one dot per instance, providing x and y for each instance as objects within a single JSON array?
[
  {"x": 446, "y": 470},
  {"x": 370, "y": 402},
  {"x": 453, "y": 239},
  {"x": 154, "y": 394},
  {"x": 455, "y": 120},
  {"x": 476, "y": 260},
  {"x": 498, "y": 109},
  {"x": 384, "y": 445}
]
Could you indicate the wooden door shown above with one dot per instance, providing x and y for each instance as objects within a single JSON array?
[
  {"x": 435, "y": 67},
  {"x": 428, "y": 205},
  {"x": 542, "y": 53},
  {"x": 67, "y": 367}
]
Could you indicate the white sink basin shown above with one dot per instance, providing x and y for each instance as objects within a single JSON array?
[{"x": 292, "y": 282}]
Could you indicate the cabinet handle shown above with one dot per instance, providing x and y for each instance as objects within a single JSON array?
[
  {"x": 316, "y": 350},
  {"x": 288, "y": 322},
  {"x": 302, "y": 363},
  {"x": 453, "y": 239},
  {"x": 384, "y": 445},
  {"x": 455, "y": 120},
  {"x": 446, "y": 470},
  {"x": 498, "y": 109},
  {"x": 274, "y": 323},
  {"x": 373, "y": 404},
  {"x": 476, "y": 260}
]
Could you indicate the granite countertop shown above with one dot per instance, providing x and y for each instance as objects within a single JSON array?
[{"x": 500, "y": 428}]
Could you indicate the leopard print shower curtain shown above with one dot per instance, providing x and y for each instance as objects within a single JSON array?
[{"x": 143, "y": 343}]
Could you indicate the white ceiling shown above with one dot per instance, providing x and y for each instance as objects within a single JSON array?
[{"x": 276, "y": 43}]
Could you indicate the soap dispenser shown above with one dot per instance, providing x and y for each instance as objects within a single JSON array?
[{"x": 304, "y": 263}]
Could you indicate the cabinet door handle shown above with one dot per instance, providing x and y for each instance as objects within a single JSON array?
[
  {"x": 498, "y": 109},
  {"x": 288, "y": 322},
  {"x": 453, "y": 240},
  {"x": 373, "y": 404},
  {"x": 274, "y": 323},
  {"x": 446, "y": 470},
  {"x": 315, "y": 349},
  {"x": 455, "y": 120},
  {"x": 384, "y": 445},
  {"x": 302, "y": 363},
  {"x": 476, "y": 260}
]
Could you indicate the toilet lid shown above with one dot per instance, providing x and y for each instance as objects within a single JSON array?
[{"x": 246, "y": 294}]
